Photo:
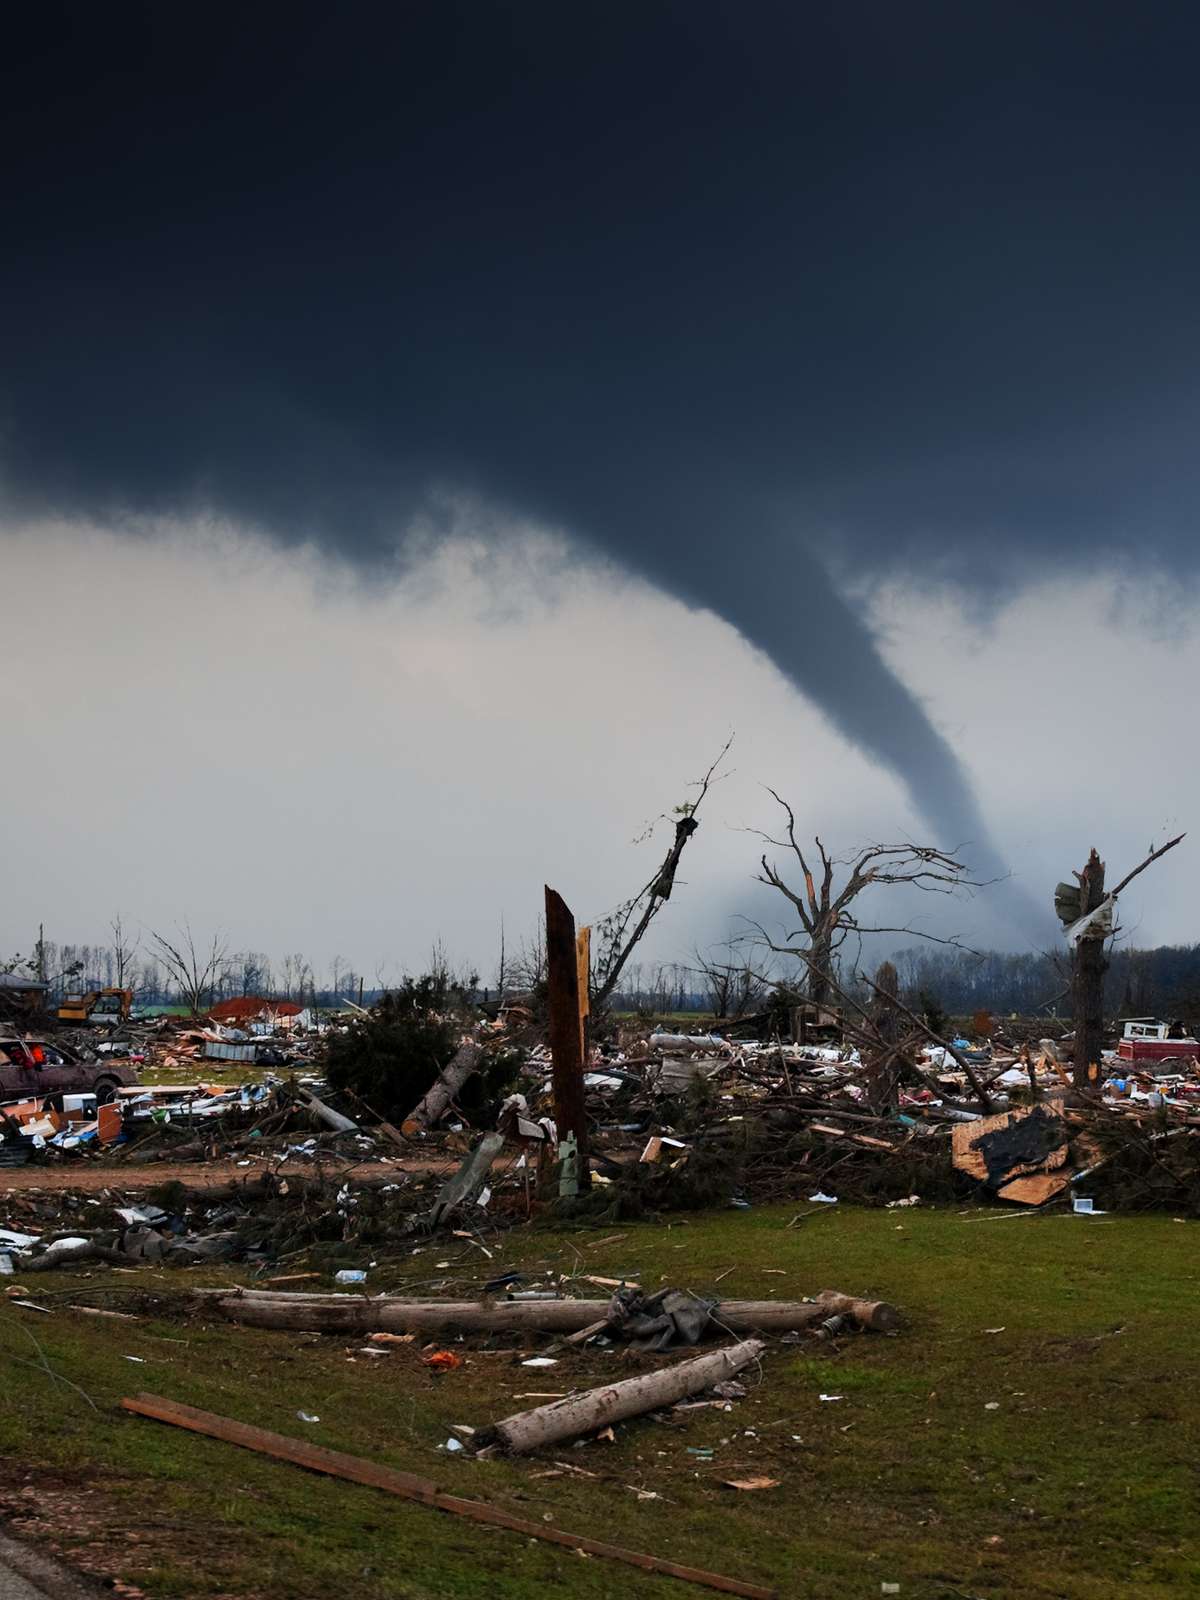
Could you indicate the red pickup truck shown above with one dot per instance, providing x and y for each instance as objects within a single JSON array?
[{"x": 32, "y": 1067}]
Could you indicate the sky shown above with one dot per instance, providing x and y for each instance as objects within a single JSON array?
[{"x": 427, "y": 433}]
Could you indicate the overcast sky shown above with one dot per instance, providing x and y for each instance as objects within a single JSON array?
[
  {"x": 251, "y": 738},
  {"x": 426, "y": 433}
]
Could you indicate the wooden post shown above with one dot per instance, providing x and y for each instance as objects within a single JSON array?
[
  {"x": 566, "y": 1039},
  {"x": 1087, "y": 979}
]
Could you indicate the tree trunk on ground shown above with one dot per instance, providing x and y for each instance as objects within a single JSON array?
[
  {"x": 584, "y": 1413},
  {"x": 1090, "y": 963},
  {"x": 436, "y": 1101},
  {"x": 338, "y": 1313}
]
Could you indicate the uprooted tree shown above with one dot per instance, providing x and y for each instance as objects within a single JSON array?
[{"x": 827, "y": 912}]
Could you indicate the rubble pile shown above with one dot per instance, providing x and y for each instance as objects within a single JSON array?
[{"x": 277, "y": 1164}]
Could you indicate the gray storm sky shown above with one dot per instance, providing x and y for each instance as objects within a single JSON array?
[
  {"x": 398, "y": 401},
  {"x": 255, "y": 740}
]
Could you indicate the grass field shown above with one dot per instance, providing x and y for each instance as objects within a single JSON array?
[{"x": 1033, "y": 1431}]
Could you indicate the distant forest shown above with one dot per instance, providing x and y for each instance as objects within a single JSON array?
[
  {"x": 1140, "y": 983},
  {"x": 1162, "y": 982}
]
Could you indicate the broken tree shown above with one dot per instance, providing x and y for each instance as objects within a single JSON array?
[
  {"x": 620, "y": 933},
  {"x": 1087, "y": 914},
  {"x": 826, "y": 911}
]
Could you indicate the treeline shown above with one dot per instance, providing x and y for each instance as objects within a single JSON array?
[
  {"x": 1162, "y": 982},
  {"x": 76, "y": 968}
]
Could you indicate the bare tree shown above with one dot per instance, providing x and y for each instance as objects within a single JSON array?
[
  {"x": 659, "y": 987},
  {"x": 631, "y": 988},
  {"x": 296, "y": 977},
  {"x": 826, "y": 911},
  {"x": 733, "y": 984},
  {"x": 528, "y": 971},
  {"x": 194, "y": 971},
  {"x": 253, "y": 972},
  {"x": 123, "y": 951},
  {"x": 622, "y": 930}
]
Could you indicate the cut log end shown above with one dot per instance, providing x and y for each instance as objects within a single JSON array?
[{"x": 877, "y": 1315}]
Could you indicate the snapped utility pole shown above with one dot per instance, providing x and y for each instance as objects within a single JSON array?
[{"x": 566, "y": 1014}]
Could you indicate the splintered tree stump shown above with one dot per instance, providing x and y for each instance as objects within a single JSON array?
[
  {"x": 565, "y": 1029},
  {"x": 1087, "y": 979}
]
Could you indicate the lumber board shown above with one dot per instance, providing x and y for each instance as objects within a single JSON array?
[{"x": 408, "y": 1486}]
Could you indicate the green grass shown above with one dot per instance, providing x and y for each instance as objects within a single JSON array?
[
  {"x": 1080, "y": 1483},
  {"x": 229, "y": 1074}
]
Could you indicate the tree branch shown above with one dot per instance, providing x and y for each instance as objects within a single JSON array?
[{"x": 1152, "y": 857}]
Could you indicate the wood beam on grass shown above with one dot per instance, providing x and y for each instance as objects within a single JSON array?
[{"x": 423, "y": 1491}]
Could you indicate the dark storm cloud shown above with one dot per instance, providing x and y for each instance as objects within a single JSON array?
[{"x": 742, "y": 295}]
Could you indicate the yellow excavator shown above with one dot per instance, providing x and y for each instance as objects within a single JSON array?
[{"x": 104, "y": 1007}]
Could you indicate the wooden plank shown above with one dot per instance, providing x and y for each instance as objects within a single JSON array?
[
  {"x": 1036, "y": 1188},
  {"x": 847, "y": 1133},
  {"x": 407, "y": 1486},
  {"x": 334, "y": 1463},
  {"x": 479, "y": 1511}
]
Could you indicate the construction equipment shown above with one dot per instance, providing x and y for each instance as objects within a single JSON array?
[{"x": 101, "y": 1007}]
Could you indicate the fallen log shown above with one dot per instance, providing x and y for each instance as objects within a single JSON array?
[
  {"x": 407, "y": 1486},
  {"x": 436, "y": 1100},
  {"x": 579, "y": 1414},
  {"x": 338, "y": 1313},
  {"x": 880, "y": 1316},
  {"x": 326, "y": 1114}
]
